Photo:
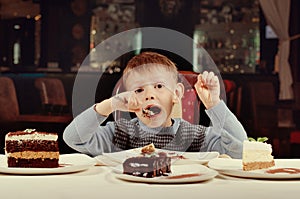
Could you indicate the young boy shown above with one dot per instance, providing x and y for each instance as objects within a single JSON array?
[{"x": 152, "y": 89}]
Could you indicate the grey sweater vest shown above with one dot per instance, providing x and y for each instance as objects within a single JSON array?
[{"x": 129, "y": 135}]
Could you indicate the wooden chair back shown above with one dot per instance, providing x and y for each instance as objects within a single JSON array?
[
  {"x": 52, "y": 94},
  {"x": 9, "y": 110}
]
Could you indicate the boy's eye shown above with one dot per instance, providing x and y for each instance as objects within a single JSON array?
[
  {"x": 139, "y": 90},
  {"x": 158, "y": 86}
]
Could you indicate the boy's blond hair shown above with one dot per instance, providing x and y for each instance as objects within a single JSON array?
[{"x": 143, "y": 60}]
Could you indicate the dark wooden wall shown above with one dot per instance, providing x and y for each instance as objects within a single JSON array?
[
  {"x": 185, "y": 15},
  {"x": 59, "y": 40},
  {"x": 149, "y": 13},
  {"x": 295, "y": 44}
]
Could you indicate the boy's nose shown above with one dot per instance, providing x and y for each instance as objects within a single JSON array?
[
  {"x": 149, "y": 98},
  {"x": 149, "y": 94}
]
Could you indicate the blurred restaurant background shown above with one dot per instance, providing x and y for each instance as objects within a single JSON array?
[{"x": 254, "y": 43}]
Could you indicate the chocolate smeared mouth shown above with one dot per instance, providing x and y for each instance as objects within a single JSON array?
[{"x": 151, "y": 111}]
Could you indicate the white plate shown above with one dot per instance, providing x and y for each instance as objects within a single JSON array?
[
  {"x": 180, "y": 174},
  {"x": 177, "y": 157},
  {"x": 199, "y": 157},
  {"x": 69, "y": 163},
  {"x": 233, "y": 167}
]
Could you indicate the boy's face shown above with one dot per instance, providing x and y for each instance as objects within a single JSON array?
[{"x": 157, "y": 91}]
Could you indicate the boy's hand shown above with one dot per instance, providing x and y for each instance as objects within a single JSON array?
[
  {"x": 126, "y": 101},
  {"x": 208, "y": 89}
]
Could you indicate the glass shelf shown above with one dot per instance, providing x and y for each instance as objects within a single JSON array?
[{"x": 234, "y": 47}]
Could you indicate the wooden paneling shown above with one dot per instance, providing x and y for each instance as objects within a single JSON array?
[
  {"x": 18, "y": 8},
  {"x": 295, "y": 44},
  {"x": 21, "y": 31},
  {"x": 59, "y": 43}
]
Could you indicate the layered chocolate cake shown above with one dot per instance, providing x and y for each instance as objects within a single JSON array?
[
  {"x": 150, "y": 164},
  {"x": 30, "y": 148}
]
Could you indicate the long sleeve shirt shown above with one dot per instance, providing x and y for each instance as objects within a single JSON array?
[{"x": 225, "y": 134}]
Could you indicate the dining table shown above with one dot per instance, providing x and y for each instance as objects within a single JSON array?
[{"x": 99, "y": 181}]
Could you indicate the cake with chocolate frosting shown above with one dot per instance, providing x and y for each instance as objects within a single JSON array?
[
  {"x": 31, "y": 148},
  {"x": 150, "y": 164}
]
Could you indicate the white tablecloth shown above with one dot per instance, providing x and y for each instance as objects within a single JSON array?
[{"x": 98, "y": 182}]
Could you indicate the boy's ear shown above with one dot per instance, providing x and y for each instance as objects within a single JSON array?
[{"x": 179, "y": 90}]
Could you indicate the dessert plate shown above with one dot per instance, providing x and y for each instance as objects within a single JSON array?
[
  {"x": 178, "y": 158},
  {"x": 68, "y": 163},
  {"x": 233, "y": 167},
  {"x": 196, "y": 157},
  {"x": 180, "y": 174}
]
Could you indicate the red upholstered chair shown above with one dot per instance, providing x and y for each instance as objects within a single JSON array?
[
  {"x": 190, "y": 103},
  {"x": 233, "y": 96},
  {"x": 295, "y": 143},
  {"x": 230, "y": 87}
]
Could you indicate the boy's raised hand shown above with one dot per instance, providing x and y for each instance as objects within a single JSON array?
[
  {"x": 208, "y": 89},
  {"x": 126, "y": 101}
]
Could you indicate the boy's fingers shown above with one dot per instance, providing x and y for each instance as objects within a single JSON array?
[
  {"x": 134, "y": 102},
  {"x": 204, "y": 74},
  {"x": 210, "y": 77},
  {"x": 215, "y": 80},
  {"x": 202, "y": 77},
  {"x": 200, "y": 81}
]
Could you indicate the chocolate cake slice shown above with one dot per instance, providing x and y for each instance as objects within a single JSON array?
[
  {"x": 30, "y": 148},
  {"x": 148, "y": 166}
]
